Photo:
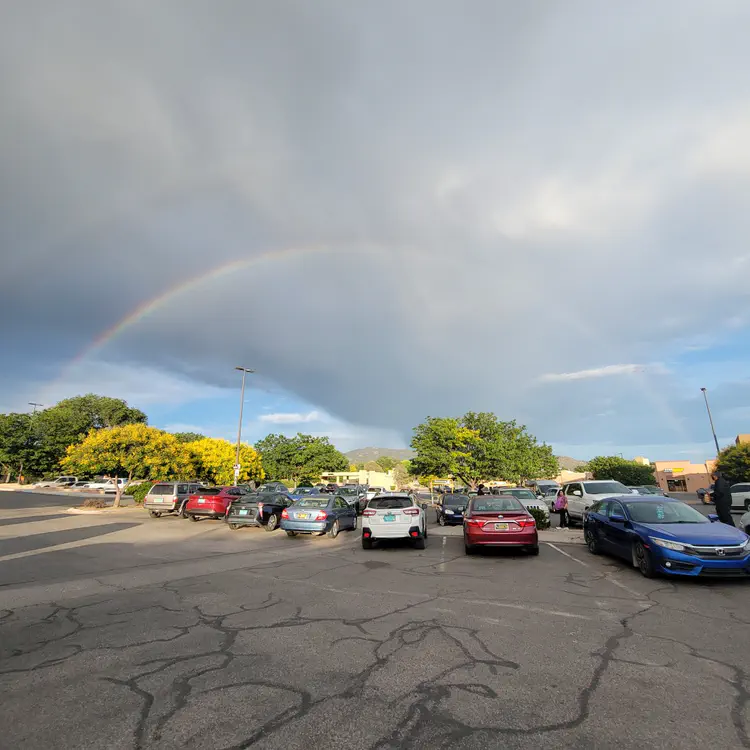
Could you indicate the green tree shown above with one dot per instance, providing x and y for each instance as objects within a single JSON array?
[
  {"x": 188, "y": 437},
  {"x": 135, "y": 450},
  {"x": 621, "y": 470},
  {"x": 386, "y": 462},
  {"x": 17, "y": 444},
  {"x": 478, "y": 447},
  {"x": 373, "y": 466},
  {"x": 213, "y": 460},
  {"x": 734, "y": 463},
  {"x": 401, "y": 474},
  {"x": 299, "y": 456}
]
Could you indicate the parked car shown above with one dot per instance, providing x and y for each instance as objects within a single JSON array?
[
  {"x": 549, "y": 497},
  {"x": 212, "y": 502},
  {"x": 662, "y": 535},
  {"x": 499, "y": 521},
  {"x": 540, "y": 487},
  {"x": 372, "y": 491},
  {"x": 353, "y": 496},
  {"x": 169, "y": 497},
  {"x": 79, "y": 485},
  {"x": 705, "y": 494},
  {"x": 648, "y": 489},
  {"x": 331, "y": 487},
  {"x": 741, "y": 496},
  {"x": 258, "y": 509},
  {"x": 59, "y": 482},
  {"x": 100, "y": 483},
  {"x": 273, "y": 487},
  {"x": 300, "y": 492},
  {"x": 744, "y": 523},
  {"x": 451, "y": 509},
  {"x": 319, "y": 515},
  {"x": 527, "y": 498},
  {"x": 581, "y": 495},
  {"x": 393, "y": 516}
]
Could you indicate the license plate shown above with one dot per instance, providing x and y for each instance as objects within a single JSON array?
[
  {"x": 501, "y": 527},
  {"x": 201, "y": 500},
  {"x": 243, "y": 512},
  {"x": 303, "y": 515},
  {"x": 390, "y": 517},
  {"x": 158, "y": 499}
]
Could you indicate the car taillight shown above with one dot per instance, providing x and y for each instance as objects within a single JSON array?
[
  {"x": 321, "y": 516},
  {"x": 411, "y": 511},
  {"x": 285, "y": 513},
  {"x": 474, "y": 521},
  {"x": 525, "y": 522},
  {"x": 368, "y": 512}
]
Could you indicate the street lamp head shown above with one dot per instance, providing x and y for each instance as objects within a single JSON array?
[
  {"x": 244, "y": 369},
  {"x": 703, "y": 389}
]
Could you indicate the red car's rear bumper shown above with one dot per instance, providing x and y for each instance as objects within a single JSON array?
[{"x": 520, "y": 538}]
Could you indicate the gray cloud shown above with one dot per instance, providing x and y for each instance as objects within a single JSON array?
[{"x": 506, "y": 190}]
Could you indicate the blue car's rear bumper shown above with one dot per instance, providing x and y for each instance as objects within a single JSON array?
[
  {"x": 303, "y": 527},
  {"x": 679, "y": 564}
]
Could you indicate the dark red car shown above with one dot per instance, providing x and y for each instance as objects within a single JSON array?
[
  {"x": 499, "y": 521},
  {"x": 212, "y": 502}
]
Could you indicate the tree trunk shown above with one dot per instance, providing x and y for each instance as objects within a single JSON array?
[{"x": 118, "y": 493}]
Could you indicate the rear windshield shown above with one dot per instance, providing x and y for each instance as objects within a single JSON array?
[
  {"x": 388, "y": 503},
  {"x": 209, "y": 491},
  {"x": 492, "y": 504},
  {"x": 303, "y": 491},
  {"x": 455, "y": 501},
  {"x": 520, "y": 494},
  {"x": 312, "y": 502},
  {"x": 604, "y": 488},
  {"x": 347, "y": 491},
  {"x": 162, "y": 489}
]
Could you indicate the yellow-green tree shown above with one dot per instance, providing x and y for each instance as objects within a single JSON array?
[
  {"x": 213, "y": 460},
  {"x": 134, "y": 450}
]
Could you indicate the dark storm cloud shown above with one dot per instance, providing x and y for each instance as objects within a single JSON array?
[{"x": 507, "y": 190}]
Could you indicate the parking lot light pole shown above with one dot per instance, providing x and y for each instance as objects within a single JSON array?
[
  {"x": 710, "y": 419},
  {"x": 244, "y": 371}
]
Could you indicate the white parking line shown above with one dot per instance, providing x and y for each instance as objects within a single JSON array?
[{"x": 607, "y": 576}]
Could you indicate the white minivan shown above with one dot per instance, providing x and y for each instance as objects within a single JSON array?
[{"x": 581, "y": 495}]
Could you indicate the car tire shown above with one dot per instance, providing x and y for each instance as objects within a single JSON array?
[
  {"x": 234, "y": 526},
  {"x": 571, "y": 521},
  {"x": 747, "y": 506},
  {"x": 592, "y": 542},
  {"x": 333, "y": 532},
  {"x": 183, "y": 512},
  {"x": 366, "y": 543},
  {"x": 419, "y": 542},
  {"x": 154, "y": 514},
  {"x": 272, "y": 523},
  {"x": 469, "y": 549},
  {"x": 291, "y": 533},
  {"x": 441, "y": 519},
  {"x": 642, "y": 560},
  {"x": 192, "y": 517},
  {"x": 534, "y": 550},
  {"x": 356, "y": 523},
  {"x": 425, "y": 528}
]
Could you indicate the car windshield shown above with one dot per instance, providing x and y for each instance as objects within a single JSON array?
[
  {"x": 520, "y": 494},
  {"x": 312, "y": 502},
  {"x": 606, "y": 488},
  {"x": 347, "y": 491},
  {"x": 454, "y": 501},
  {"x": 302, "y": 491},
  {"x": 490, "y": 505},
  {"x": 389, "y": 503},
  {"x": 659, "y": 512}
]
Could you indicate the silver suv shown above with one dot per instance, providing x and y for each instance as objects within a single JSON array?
[{"x": 169, "y": 497}]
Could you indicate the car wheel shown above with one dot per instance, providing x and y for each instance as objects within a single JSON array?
[
  {"x": 642, "y": 560},
  {"x": 592, "y": 542},
  {"x": 571, "y": 521},
  {"x": 291, "y": 533},
  {"x": 333, "y": 532},
  {"x": 272, "y": 523},
  {"x": 183, "y": 512},
  {"x": 747, "y": 530},
  {"x": 234, "y": 526},
  {"x": 425, "y": 529},
  {"x": 419, "y": 542},
  {"x": 533, "y": 550},
  {"x": 356, "y": 523},
  {"x": 366, "y": 543},
  {"x": 469, "y": 549},
  {"x": 154, "y": 514},
  {"x": 441, "y": 519},
  {"x": 747, "y": 506},
  {"x": 192, "y": 517}
]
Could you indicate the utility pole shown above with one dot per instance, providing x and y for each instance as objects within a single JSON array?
[
  {"x": 34, "y": 404},
  {"x": 711, "y": 421},
  {"x": 244, "y": 371}
]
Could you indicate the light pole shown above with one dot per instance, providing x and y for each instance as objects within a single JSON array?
[
  {"x": 710, "y": 419},
  {"x": 34, "y": 404},
  {"x": 244, "y": 371}
]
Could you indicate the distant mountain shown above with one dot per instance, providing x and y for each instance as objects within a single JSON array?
[
  {"x": 363, "y": 455},
  {"x": 566, "y": 462}
]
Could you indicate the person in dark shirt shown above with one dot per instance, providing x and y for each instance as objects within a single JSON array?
[{"x": 722, "y": 498}]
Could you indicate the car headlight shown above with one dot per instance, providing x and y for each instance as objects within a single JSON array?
[
  {"x": 674, "y": 546},
  {"x": 447, "y": 511}
]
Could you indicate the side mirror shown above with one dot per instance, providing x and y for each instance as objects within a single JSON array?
[
  {"x": 617, "y": 518},
  {"x": 713, "y": 517}
]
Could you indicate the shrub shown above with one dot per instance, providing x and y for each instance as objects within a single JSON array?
[
  {"x": 138, "y": 491},
  {"x": 94, "y": 503},
  {"x": 541, "y": 518}
]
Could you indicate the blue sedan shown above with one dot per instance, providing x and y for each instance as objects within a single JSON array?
[
  {"x": 661, "y": 535},
  {"x": 319, "y": 514}
]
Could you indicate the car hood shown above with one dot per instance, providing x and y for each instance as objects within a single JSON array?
[{"x": 696, "y": 533}]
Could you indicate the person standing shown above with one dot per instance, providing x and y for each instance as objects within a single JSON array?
[
  {"x": 561, "y": 506},
  {"x": 723, "y": 498}
]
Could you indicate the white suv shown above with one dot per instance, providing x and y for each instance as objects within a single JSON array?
[
  {"x": 395, "y": 516},
  {"x": 581, "y": 495},
  {"x": 740, "y": 496}
]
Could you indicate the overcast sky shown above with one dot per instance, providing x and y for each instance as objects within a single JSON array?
[{"x": 534, "y": 208}]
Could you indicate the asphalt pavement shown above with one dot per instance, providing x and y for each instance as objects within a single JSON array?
[{"x": 121, "y": 631}]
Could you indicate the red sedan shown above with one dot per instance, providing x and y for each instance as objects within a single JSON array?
[
  {"x": 499, "y": 521},
  {"x": 211, "y": 502}
]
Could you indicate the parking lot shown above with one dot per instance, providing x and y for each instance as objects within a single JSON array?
[{"x": 120, "y": 631}]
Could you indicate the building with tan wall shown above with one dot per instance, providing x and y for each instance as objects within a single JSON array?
[
  {"x": 683, "y": 476},
  {"x": 371, "y": 478}
]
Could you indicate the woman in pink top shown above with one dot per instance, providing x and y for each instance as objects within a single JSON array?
[{"x": 561, "y": 505}]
